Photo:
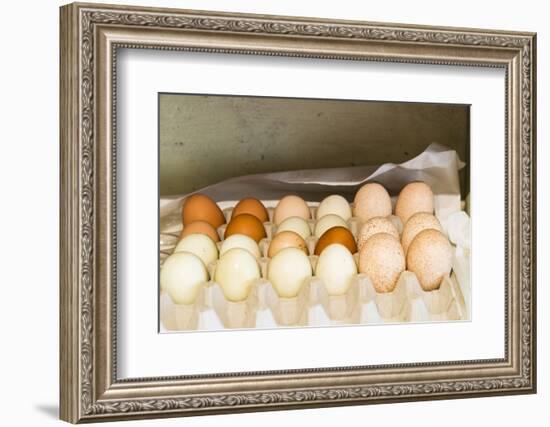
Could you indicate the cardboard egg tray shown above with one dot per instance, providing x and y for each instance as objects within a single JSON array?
[{"x": 313, "y": 306}]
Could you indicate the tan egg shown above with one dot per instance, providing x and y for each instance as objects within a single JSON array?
[
  {"x": 288, "y": 271},
  {"x": 236, "y": 272},
  {"x": 378, "y": 224},
  {"x": 200, "y": 245},
  {"x": 334, "y": 205},
  {"x": 199, "y": 207},
  {"x": 246, "y": 224},
  {"x": 201, "y": 227},
  {"x": 290, "y": 206},
  {"x": 370, "y": 201},
  {"x": 382, "y": 259},
  {"x": 251, "y": 206},
  {"x": 182, "y": 275},
  {"x": 286, "y": 239},
  {"x": 336, "y": 268},
  {"x": 296, "y": 224},
  {"x": 414, "y": 197},
  {"x": 327, "y": 222},
  {"x": 418, "y": 222},
  {"x": 339, "y": 235},
  {"x": 430, "y": 257}
]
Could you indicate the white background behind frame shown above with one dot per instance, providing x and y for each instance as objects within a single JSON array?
[{"x": 140, "y": 347}]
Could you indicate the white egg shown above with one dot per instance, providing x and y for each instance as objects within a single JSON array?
[
  {"x": 336, "y": 205},
  {"x": 288, "y": 270},
  {"x": 240, "y": 241},
  {"x": 336, "y": 268},
  {"x": 236, "y": 272},
  {"x": 199, "y": 244},
  {"x": 327, "y": 222},
  {"x": 181, "y": 276},
  {"x": 299, "y": 225}
]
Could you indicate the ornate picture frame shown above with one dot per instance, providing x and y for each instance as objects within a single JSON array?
[{"x": 90, "y": 37}]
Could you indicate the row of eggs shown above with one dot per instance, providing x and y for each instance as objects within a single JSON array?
[{"x": 423, "y": 247}]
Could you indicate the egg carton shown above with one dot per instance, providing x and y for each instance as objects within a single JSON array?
[{"x": 313, "y": 306}]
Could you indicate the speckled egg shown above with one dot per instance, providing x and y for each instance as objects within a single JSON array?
[
  {"x": 378, "y": 224},
  {"x": 370, "y": 201},
  {"x": 418, "y": 222},
  {"x": 414, "y": 197},
  {"x": 382, "y": 259},
  {"x": 430, "y": 257}
]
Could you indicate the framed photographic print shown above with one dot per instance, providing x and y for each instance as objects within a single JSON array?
[{"x": 265, "y": 212}]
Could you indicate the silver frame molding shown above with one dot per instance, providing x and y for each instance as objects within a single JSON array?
[{"x": 90, "y": 37}]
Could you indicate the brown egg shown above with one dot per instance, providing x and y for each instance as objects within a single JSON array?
[
  {"x": 251, "y": 206},
  {"x": 286, "y": 239},
  {"x": 290, "y": 206},
  {"x": 414, "y": 197},
  {"x": 201, "y": 227},
  {"x": 336, "y": 235},
  {"x": 416, "y": 223},
  {"x": 200, "y": 207},
  {"x": 246, "y": 224}
]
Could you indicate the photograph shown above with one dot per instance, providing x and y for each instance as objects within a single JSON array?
[
  {"x": 264, "y": 212},
  {"x": 290, "y": 212}
]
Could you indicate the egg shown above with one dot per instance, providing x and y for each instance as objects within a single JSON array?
[
  {"x": 251, "y": 206},
  {"x": 296, "y": 224},
  {"x": 201, "y": 227},
  {"x": 240, "y": 241},
  {"x": 336, "y": 235},
  {"x": 236, "y": 272},
  {"x": 336, "y": 268},
  {"x": 200, "y": 245},
  {"x": 378, "y": 224},
  {"x": 382, "y": 259},
  {"x": 290, "y": 206},
  {"x": 335, "y": 205},
  {"x": 326, "y": 222},
  {"x": 430, "y": 257},
  {"x": 286, "y": 239},
  {"x": 246, "y": 224},
  {"x": 199, "y": 207},
  {"x": 288, "y": 270},
  {"x": 414, "y": 197},
  {"x": 370, "y": 201},
  {"x": 181, "y": 277},
  {"x": 418, "y": 222}
]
